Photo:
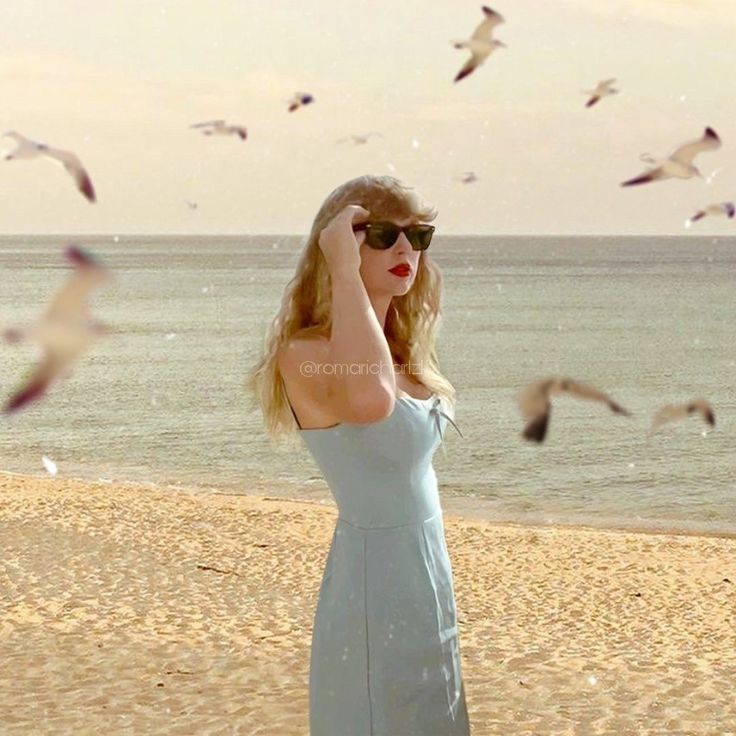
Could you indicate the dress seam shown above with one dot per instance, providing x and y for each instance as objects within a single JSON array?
[
  {"x": 418, "y": 522},
  {"x": 430, "y": 571},
  {"x": 367, "y": 636}
]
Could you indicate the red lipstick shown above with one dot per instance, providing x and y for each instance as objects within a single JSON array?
[{"x": 402, "y": 270}]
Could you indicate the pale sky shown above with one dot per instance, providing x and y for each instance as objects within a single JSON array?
[{"x": 120, "y": 83}]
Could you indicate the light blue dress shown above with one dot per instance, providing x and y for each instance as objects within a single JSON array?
[{"x": 385, "y": 655}]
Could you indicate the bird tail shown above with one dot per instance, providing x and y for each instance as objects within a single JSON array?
[{"x": 697, "y": 216}]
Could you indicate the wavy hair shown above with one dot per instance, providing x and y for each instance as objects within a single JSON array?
[{"x": 412, "y": 319}]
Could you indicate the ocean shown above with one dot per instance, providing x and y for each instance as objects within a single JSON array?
[{"x": 649, "y": 320}]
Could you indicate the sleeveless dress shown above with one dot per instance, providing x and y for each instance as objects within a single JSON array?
[{"x": 385, "y": 655}]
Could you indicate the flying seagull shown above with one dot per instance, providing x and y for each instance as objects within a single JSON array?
[
  {"x": 298, "y": 100},
  {"x": 721, "y": 208},
  {"x": 534, "y": 402},
  {"x": 481, "y": 44},
  {"x": 679, "y": 164},
  {"x": 65, "y": 331},
  {"x": 191, "y": 205},
  {"x": 602, "y": 89},
  {"x": 219, "y": 127},
  {"x": 672, "y": 412},
  {"x": 28, "y": 148},
  {"x": 468, "y": 177},
  {"x": 358, "y": 140}
]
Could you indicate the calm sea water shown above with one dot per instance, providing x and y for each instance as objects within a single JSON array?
[{"x": 650, "y": 320}]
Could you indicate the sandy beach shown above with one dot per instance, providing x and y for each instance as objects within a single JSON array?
[{"x": 133, "y": 609}]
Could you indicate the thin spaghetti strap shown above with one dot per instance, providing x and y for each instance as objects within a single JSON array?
[{"x": 286, "y": 396}]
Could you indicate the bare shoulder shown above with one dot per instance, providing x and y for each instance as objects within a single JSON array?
[
  {"x": 294, "y": 357},
  {"x": 307, "y": 388},
  {"x": 315, "y": 393}
]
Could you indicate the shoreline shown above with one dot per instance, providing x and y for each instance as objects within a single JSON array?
[{"x": 447, "y": 505}]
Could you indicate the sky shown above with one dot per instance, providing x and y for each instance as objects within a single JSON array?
[{"x": 120, "y": 84}]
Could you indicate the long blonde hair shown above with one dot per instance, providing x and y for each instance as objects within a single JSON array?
[{"x": 411, "y": 323}]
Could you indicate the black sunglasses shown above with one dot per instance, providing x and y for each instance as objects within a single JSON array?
[{"x": 382, "y": 235}]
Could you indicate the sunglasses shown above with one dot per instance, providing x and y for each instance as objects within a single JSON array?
[{"x": 382, "y": 235}]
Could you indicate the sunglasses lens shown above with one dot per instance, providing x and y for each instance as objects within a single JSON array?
[
  {"x": 382, "y": 235},
  {"x": 420, "y": 236}
]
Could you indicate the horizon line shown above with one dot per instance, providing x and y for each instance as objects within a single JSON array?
[{"x": 299, "y": 235}]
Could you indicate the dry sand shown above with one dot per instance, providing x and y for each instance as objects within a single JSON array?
[{"x": 108, "y": 624}]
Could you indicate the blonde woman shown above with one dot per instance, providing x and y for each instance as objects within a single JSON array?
[{"x": 351, "y": 366}]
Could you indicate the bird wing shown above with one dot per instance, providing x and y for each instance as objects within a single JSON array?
[
  {"x": 35, "y": 384},
  {"x": 71, "y": 301},
  {"x": 469, "y": 66},
  {"x": 607, "y": 82},
  {"x": 486, "y": 26},
  {"x": 592, "y": 101},
  {"x": 688, "y": 151},
  {"x": 533, "y": 400},
  {"x": 536, "y": 408},
  {"x": 74, "y": 166},
  {"x": 585, "y": 391},
  {"x": 705, "y": 409},
  {"x": 647, "y": 176},
  {"x": 669, "y": 413},
  {"x": 208, "y": 123}
]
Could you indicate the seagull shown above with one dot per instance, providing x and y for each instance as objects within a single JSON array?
[
  {"x": 480, "y": 44},
  {"x": 65, "y": 331},
  {"x": 468, "y": 177},
  {"x": 218, "y": 127},
  {"x": 603, "y": 89},
  {"x": 535, "y": 405},
  {"x": 679, "y": 164},
  {"x": 28, "y": 148},
  {"x": 680, "y": 411},
  {"x": 191, "y": 205},
  {"x": 358, "y": 140},
  {"x": 721, "y": 208},
  {"x": 298, "y": 100}
]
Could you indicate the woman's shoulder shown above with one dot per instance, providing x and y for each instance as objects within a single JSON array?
[
  {"x": 300, "y": 344},
  {"x": 299, "y": 350}
]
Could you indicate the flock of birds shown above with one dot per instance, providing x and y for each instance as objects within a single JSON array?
[
  {"x": 535, "y": 402},
  {"x": 481, "y": 44},
  {"x": 66, "y": 330},
  {"x": 679, "y": 164},
  {"x": 28, "y": 148}
]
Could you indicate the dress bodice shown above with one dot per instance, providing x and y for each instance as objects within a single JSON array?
[{"x": 381, "y": 473}]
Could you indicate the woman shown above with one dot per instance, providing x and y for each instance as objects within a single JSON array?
[{"x": 351, "y": 364}]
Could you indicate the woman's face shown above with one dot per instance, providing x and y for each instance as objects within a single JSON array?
[{"x": 375, "y": 264}]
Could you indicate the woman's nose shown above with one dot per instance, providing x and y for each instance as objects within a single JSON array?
[{"x": 402, "y": 244}]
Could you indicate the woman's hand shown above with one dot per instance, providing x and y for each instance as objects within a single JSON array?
[{"x": 339, "y": 244}]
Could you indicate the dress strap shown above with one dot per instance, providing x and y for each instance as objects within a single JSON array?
[{"x": 286, "y": 396}]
